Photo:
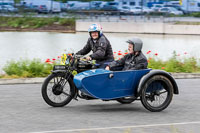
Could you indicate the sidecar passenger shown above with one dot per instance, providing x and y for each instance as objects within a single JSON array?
[{"x": 133, "y": 61}]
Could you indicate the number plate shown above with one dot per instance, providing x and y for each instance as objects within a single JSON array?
[{"x": 59, "y": 67}]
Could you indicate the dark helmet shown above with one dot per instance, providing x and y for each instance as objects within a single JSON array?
[{"x": 137, "y": 44}]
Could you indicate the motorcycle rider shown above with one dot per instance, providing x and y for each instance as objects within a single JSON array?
[
  {"x": 99, "y": 44},
  {"x": 134, "y": 60}
]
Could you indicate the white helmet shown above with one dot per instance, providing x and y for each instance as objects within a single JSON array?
[{"x": 95, "y": 27}]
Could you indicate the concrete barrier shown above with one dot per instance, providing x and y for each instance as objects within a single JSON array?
[{"x": 142, "y": 27}]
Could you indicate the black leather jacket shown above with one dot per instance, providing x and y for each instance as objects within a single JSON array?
[
  {"x": 130, "y": 62},
  {"x": 102, "y": 50}
]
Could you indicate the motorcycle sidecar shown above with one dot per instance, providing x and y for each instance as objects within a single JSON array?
[{"x": 154, "y": 87}]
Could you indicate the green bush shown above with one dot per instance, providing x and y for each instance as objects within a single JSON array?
[
  {"x": 37, "y": 68},
  {"x": 175, "y": 64},
  {"x": 155, "y": 64},
  {"x": 27, "y": 68}
]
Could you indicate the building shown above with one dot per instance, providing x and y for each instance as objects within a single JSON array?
[
  {"x": 135, "y": 2},
  {"x": 191, "y": 5},
  {"x": 50, "y": 5}
]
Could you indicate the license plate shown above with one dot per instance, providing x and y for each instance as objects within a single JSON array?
[{"x": 59, "y": 67}]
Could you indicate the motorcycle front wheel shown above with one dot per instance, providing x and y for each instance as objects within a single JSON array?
[{"x": 58, "y": 91}]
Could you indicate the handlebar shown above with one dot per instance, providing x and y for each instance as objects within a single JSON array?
[
  {"x": 81, "y": 57},
  {"x": 78, "y": 56}
]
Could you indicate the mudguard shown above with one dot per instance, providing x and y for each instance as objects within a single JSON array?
[
  {"x": 104, "y": 84},
  {"x": 156, "y": 72}
]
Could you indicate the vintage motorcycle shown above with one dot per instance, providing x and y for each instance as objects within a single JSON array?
[{"x": 80, "y": 79}]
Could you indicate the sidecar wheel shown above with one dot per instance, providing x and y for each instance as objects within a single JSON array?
[
  {"x": 125, "y": 100},
  {"x": 57, "y": 91},
  {"x": 157, "y": 93}
]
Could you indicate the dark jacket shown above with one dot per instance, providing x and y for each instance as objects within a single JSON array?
[
  {"x": 102, "y": 50},
  {"x": 130, "y": 62}
]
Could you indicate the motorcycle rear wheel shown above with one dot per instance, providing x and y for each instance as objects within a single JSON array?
[{"x": 57, "y": 91}]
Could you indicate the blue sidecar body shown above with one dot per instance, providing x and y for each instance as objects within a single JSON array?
[{"x": 107, "y": 85}]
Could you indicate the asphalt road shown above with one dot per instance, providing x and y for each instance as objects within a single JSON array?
[{"x": 22, "y": 110}]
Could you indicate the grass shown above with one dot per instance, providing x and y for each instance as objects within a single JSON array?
[
  {"x": 34, "y": 22},
  {"x": 195, "y": 14},
  {"x": 186, "y": 23}
]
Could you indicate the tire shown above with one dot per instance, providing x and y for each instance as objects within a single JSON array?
[
  {"x": 126, "y": 100},
  {"x": 154, "y": 90},
  {"x": 53, "y": 87}
]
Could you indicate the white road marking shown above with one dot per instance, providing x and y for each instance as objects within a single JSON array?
[{"x": 107, "y": 128}]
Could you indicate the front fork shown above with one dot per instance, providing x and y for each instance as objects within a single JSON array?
[
  {"x": 67, "y": 76},
  {"x": 76, "y": 91}
]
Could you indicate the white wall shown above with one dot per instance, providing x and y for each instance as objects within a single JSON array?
[{"x": 134, "y": 27}]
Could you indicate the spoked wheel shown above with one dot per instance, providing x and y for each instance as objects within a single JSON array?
[
  {"x": 157, "y": 93},
  {"x": 57, "y": 91},
  {"x": 126, "y": 100}
]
